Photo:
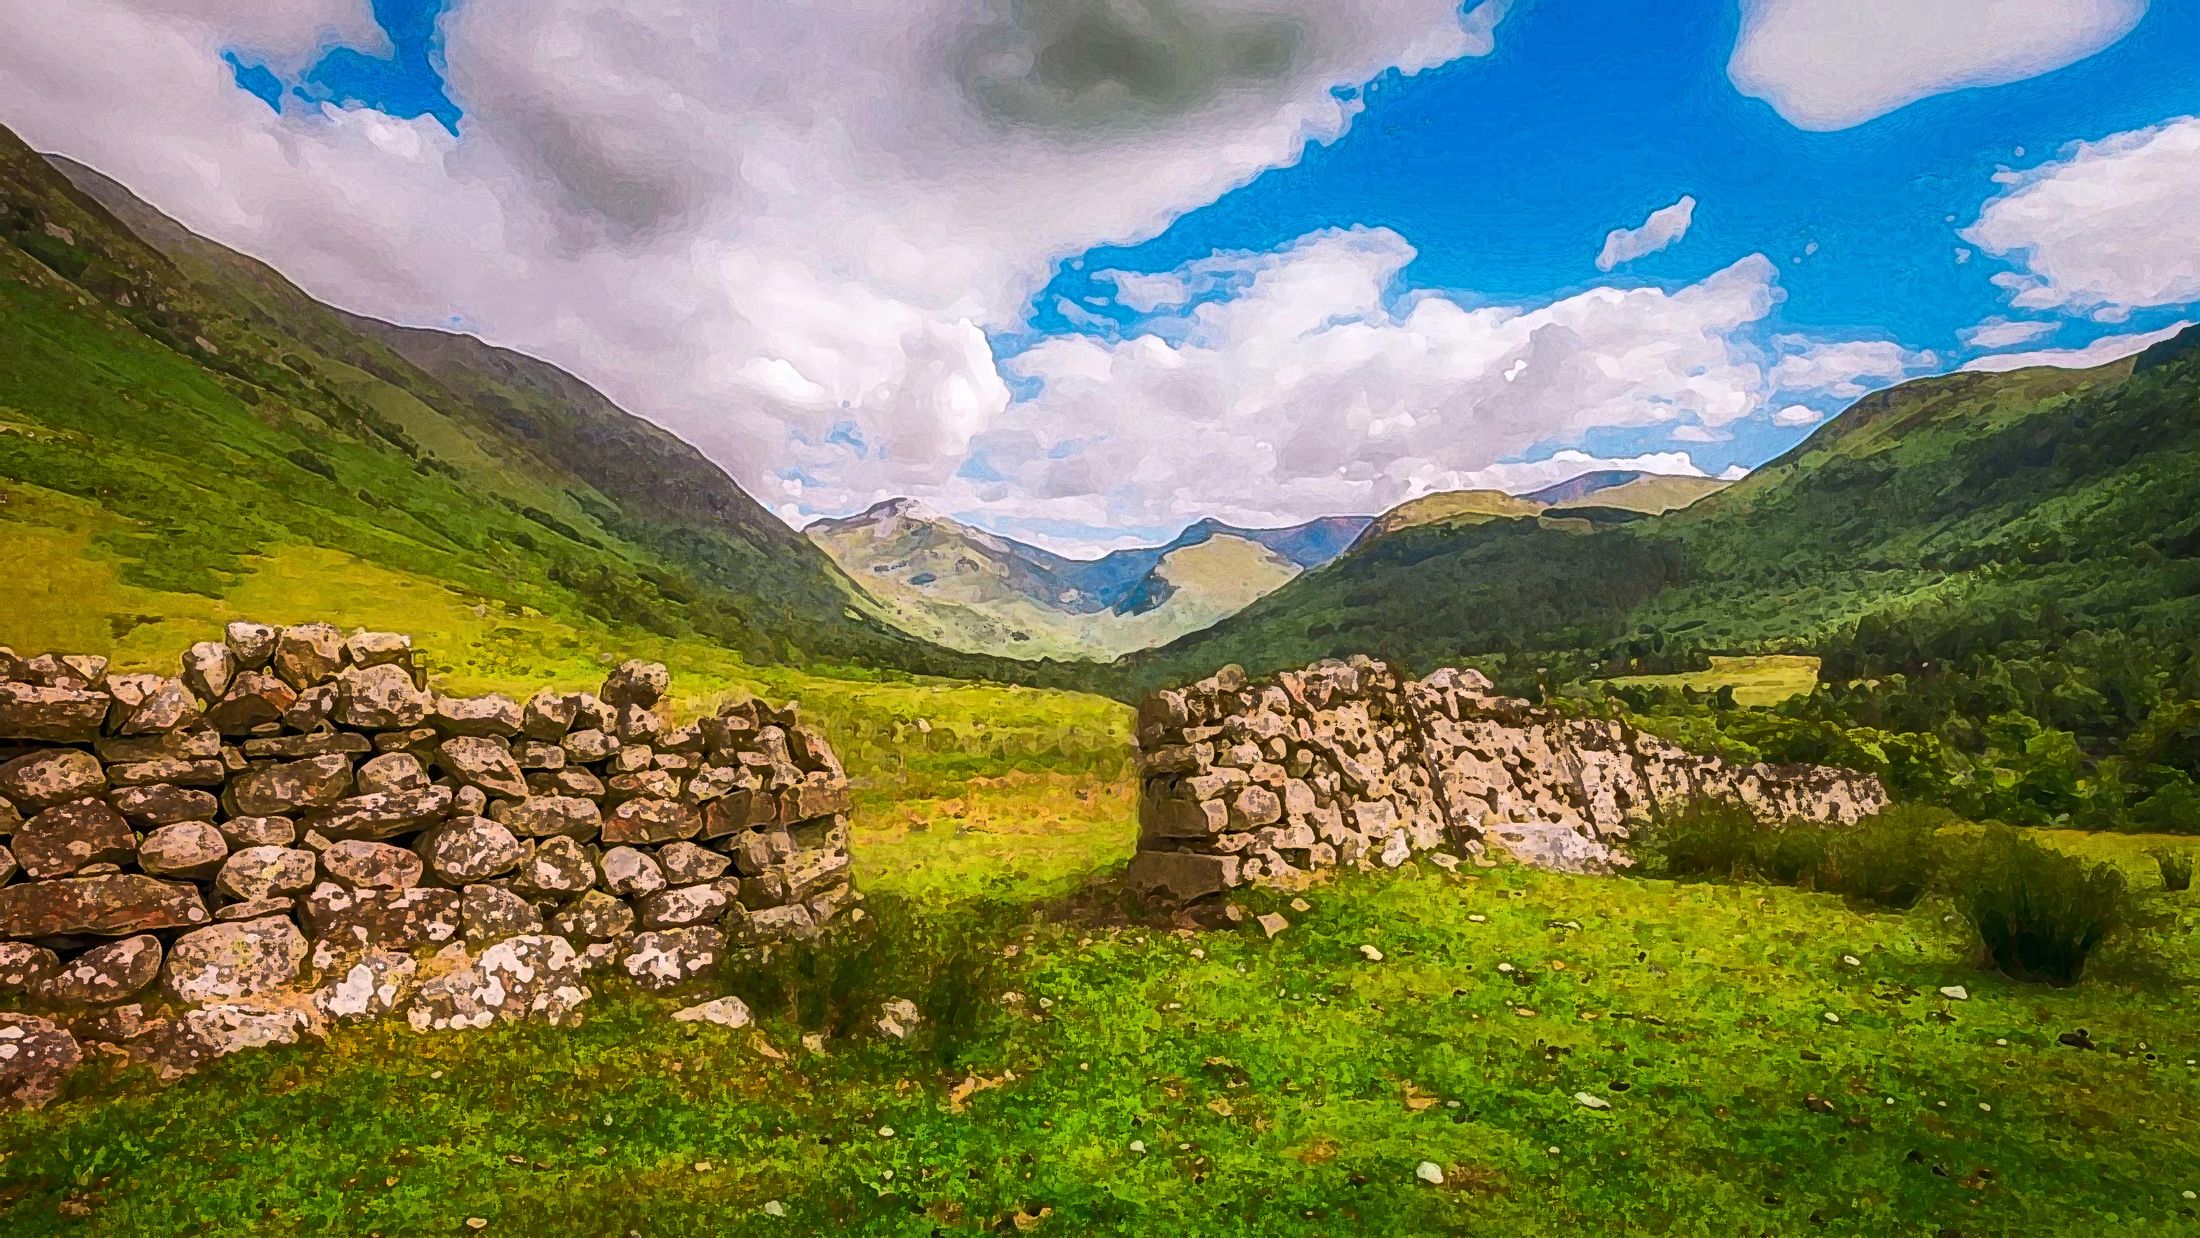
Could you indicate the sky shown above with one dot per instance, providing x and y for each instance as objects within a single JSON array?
[{"x": 1085, "y": 271}]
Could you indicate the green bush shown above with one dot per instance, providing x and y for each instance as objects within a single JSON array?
[
  {"x": 1793, "y": 854},
  {"x": 1701, "y": 838},
  {"x": 2176, "y": 868},
  {"x": 2039, "y": 913},
  {"x": 1889, "y": 858}
]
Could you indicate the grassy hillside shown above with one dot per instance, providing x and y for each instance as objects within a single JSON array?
[
  {"x": 1649, "y": 493},
  {"x": 1450, "y": 507},
  {"x": 209, "y": 418}
]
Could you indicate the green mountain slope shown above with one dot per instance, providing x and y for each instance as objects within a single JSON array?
[
  {"x": 175, "y": 417},
  {"x": 1983, "y": 497},
  {"x": 1649, "y": 493}
]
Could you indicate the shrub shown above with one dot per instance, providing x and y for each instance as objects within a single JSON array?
[
  {"x": 1889, "y": 858},
  {"x": 2176, "y": 868},
  {"x": 2040, "y": 913},
  {"x": 1702, "y": 838},
  {"x": 1792, "y": 854}
]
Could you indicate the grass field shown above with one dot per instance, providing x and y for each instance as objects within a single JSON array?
[{"x": 1765, "y": 679}]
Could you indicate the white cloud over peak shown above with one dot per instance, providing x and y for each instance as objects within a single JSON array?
[
  {"x": 2100, "y": 352},
  {"x": 1797, "y": 415},
  {"x": 1665, "y": 226},
  {"x": 1844, "y": 368},
  {"x": 1833, "y": 64},
  {"x": 764, "y": 225},
  {"x": 2105, "y": 228},
  {"x": 2002, "y": 333}
]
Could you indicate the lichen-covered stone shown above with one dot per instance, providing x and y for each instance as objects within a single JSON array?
[
  {"x": 379, "y": 698},
  {"x": 286, "y": 788},
  {"x": 229, "y": 962},
  {"x": 359, "y": 864},
  {"x": 542, "y": 816},
  {"x": 40, "y": 780},
  {"x": 469, "y": 849},
  {"x": 185, "y": 849},
  {"x": 261, "y": 872},
  {"x": 492, "y": 913},
  {"x": 51, "y": 715},
  {"x": 36, "y": 1055},
  {"x": 104, "y": 975},
  {"x": 668, "y": 958},
  {"x": 480, "y": 761},
  {"x": 65, "y": 838},
  {"x": 397, "y": 919},
  {"x": 532, "y": 977}
]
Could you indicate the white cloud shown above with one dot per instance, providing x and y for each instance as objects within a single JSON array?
[
  {"x": 757, "y": 223},
  {"x": 1797, "y": 415},
  {"x": 1832, "y": 64},
  {"x": 2107, "y": 227},
  {"x": 1844, "y": 368},
  {"x": 1522, "y": 476},
  {"x": 1700, "y": 434},
  {"x": 2100, "y": 352},
  {"x": 1665, "y": 226},
  {"x": 2002, "y": 333}
]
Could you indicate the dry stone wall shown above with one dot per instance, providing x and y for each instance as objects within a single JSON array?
[
  {"x": 1349, "y": 763},
  {"x": 296, "y": 830}
]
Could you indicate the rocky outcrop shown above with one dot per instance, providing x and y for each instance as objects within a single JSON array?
[
  {"x": 297, "y": 829},
  {"x": 1348, "y": 763}
]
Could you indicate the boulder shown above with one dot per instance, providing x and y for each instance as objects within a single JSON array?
[
  {"x": 251, "y": 643},
  {"x": 255, "y": 699},
  {"x": 390, "y": 773},
  {"x": 170, "y": 770},
  {"x": 652, "y": 821},
  {"x": 685, "y": 864},
  {"x": 469, "y": 849},
  {"x": 283, "y": 789},
  {"x": 67, "y": 670},
  {"x": 379, "y": 698},
  {"x": 542, "y": 816},
  {"x": 150, "y": 705},
  {"x": 35, "y": 1056},
  {"x": 549, "y": 715},
  {"x": 478, "y": 761},
  {"x": 678, "y": 908},
  {"x": 51, "y": 715},
  {"x": 668, "y": 958},
  {"x": 588, "y": 747},
  {"x": 319, "y": 744},
  {"x": 358, "y": 864},
  {"x": 379, "y": 649},
  {"x": 67, "y": 837},
  {"x": 185, "y": 849},
  {"x": 382, "y": 815},
  {"x": 25, "y": 967},
  {"x": 396, "y": 919},
  {"x": 553, "y": 868},
  {"x": 228, "y": 962},
  {"x": 631, "y": 872},
  {"x": 40, "y": 780},
  {"x": 207, "y": 669},
  {"x": 164, "y": 804},
  {"x": 191, "y": 744},
  {"x": 242, "y": 832},
  {"x": 531, "y": 977},
  {"x": 104, "y": 975},
  {"x": 315, "y": 708},
  {"x": 308, "y": 653},
  {"x": 492, "y": 715},
  {"x": 491, "y": 913},
  {"x": 636, "y": 724},
  {"x": 635, "y": 683},
  {"x": 251, "y": 874},
  {"x": 369, "y": 988},
  {"x": 595, "y": 916}
]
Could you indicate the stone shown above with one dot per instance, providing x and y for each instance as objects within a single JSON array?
[
  {"x": 553, "y": 868},
  {"x": 1253, "y": 807},
  {"x": 482, "y": 762},
  {"x": 315, "y": 708},
  {"x": 815, "y": 797},
  {"x": 573, "y": 780},
  {"x": 69, "y": 836},
  {"x": 543, "y": 816},
  {"x": 1429, "y": 1172},
  {"x": 536, "y": 754},
  {"x": 190, "y": 744},
  {"x": 285, "y": 788},
  {"x": 1552, "y": 845},
  {"x": 255, "y": 699},
  {"x": 549, "y": 715},
  {"x": 207, "y": 773},
  {"x": 492, "y": 715},
  {"x": 668, "y": 958},
  {"x": 307, "y": 654},
  {"x": 251, "y": 874},
  {"x": 256, "y": 909},
  {"x": 321, "y": 744},
  {"x": 379, "y": 698},
  {"x": 242, "y": 832},
  {"x": 369, "y": 988},
  {"x": 468, "y": 849},
  {"x": 678, "y": 908},
  {"x": 898, "y": 1017},
  {"x": 383, "y": 815},
  {"x": 210, "y": 1033},
  {"x": 396, "y": 919},
  {"x": 36, "y": 1055},
  {"x": 7, "y": 862},
  {"x": 1591, "y": 1101},
  {"x": 364, "y": 648},
  {"x": 588, "y": 747},
  {"x": 164, "y": 804},
  {"x": 470, "y": 802},
  {"x": 635, "y": 683},
  {"x": 51, "y": 715},
  {"x": 24, "y": 967},
  {"x": 791, "y": 922},
  {"x": 229, "y": 962},
  {"x": 207, "y": 669},
  {"x": 185, "y": 849},
  {"x": 1272, "y": 924},
  {"x": 595, "y": 916},
  {"x": 251, "y": 643},
  {"x": 150, "y": 704},
  {"x": 1181, "y": 876},
  {"x": 636, "y": 724},
  {"x": 359, "y": 864},
  {"x": 67, "y": 670},
  {"x": 723, "y": 1011},
  {"x": 491, "y": 913},
  {"x": 649, "y": 784},
  {"x": 51, "y": 776},
  {"x": 104, "y": 975},
  {"x": 1955, "y": 993},
  {"x": 391, "y": 773},
  {"x": 631, "y": 872},
  {"x": 652, "y": 821},
  {"x": 684, "y": 863},
  {"x": 532, "y": 977}
]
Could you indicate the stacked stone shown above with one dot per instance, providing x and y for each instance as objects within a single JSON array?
[
  {"x": 1346, "y": 763},
  {"x": 276, "y": 836}
]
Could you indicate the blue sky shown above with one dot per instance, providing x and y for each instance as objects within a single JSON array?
[{"x": 821, "y": 257}]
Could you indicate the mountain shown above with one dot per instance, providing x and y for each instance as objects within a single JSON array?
[
  {"x": 1582, "y": 485},
  {"x": 2008, "y": 506},
  {"x": 177, "y": 420},
  {"x": 969, "y": 589},
  {"x": 1651, "y": 494},
  {"x": 1450, "y": 507}
]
